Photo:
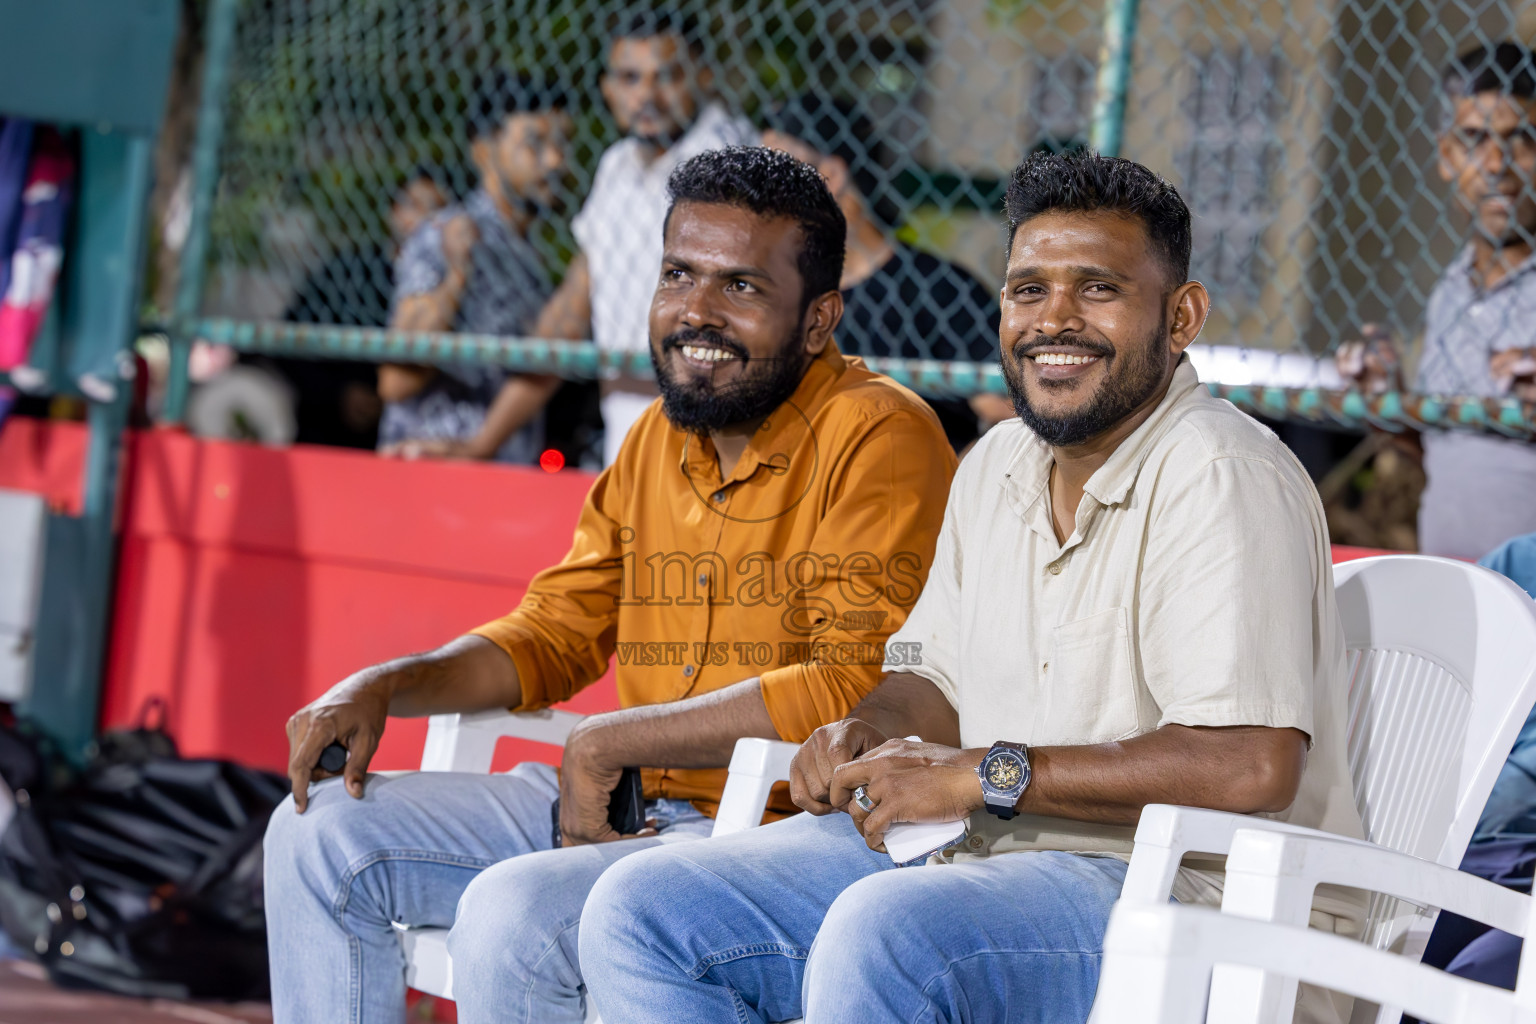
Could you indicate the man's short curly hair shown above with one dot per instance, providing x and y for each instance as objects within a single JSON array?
[
  {"x": 771, "y": 184},
  {"x": 1083, "y": 182}
]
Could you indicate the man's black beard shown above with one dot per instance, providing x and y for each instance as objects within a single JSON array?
[
  {"x": 699, "y": 407},
  {"x": 1118, "y": 395},
  {"x": 665, "y": 140}
]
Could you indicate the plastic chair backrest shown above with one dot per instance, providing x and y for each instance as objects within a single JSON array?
[{"x": 1442, "y": 663}]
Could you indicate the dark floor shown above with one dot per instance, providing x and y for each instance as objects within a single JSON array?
[{"x": 26, "y": 997}]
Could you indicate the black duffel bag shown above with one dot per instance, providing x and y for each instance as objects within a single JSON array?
[{"x": 140, "y": 875}]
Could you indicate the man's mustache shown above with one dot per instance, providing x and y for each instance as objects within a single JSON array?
[
  {"x": 706, "y": 336},
  {"x": 1066, "y": 339}
]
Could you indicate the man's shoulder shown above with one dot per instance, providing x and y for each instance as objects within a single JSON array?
[
  {"x": 1208, "y": 430},
  {"x": 618, "y": 161},
  {"x": 861, "y": 396}
]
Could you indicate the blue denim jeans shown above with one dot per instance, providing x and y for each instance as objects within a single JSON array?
[
  {"x": 466, "y": 852},
  {"x": 800, "y": 918}
]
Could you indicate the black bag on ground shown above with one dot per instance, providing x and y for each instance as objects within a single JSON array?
[{"x": 141, "y": 875}]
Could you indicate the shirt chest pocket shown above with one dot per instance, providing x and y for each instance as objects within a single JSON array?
[{"x": 1090, "y": 691}]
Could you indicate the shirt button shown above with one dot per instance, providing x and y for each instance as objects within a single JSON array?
[
  {"x": 703, "y": 578},
  {"x": 1055, "y": 569},
  {"x": 1044, "y": 665},
  {"x": 718, "y": 497},
  {"x": 687, "y": 670}
]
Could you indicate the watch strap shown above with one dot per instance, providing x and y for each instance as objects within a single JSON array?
[{"x": 1007, "y": 809}]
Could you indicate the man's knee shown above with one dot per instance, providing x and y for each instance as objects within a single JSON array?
[
  {"x": 867, "y": 914},
  {"x": 621, "y": 913},
  {"x": 513, "y": 915},
  {"x": 321, "y": 843}
]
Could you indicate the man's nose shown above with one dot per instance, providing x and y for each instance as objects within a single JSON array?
[
  {"x": 1058, "y": 313},
  {"x": 700, "y": 308},
  {"x": 1495, "y": 157}
]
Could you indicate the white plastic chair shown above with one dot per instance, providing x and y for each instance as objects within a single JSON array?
[
  {"x": 467, "y": 743},
  {"x": 1159, "y": 962},
  {"x": 1442, "y": 662}
]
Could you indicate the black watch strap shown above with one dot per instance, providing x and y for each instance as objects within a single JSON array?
[{"x": 1007, "y": 809}]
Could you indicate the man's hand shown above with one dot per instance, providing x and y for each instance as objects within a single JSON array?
[
  {"x": 907, "y": 781},
  {"x": 810, "y": 773},
  {"x": 1373, "y": 362},
  {"x": 435, "y": 449},
  {"x": 1515, "y": 371},
  {"x": 353, "y": 714},
  {"x": 459, "y": 238},
  {"x": 587, "y": 781}
]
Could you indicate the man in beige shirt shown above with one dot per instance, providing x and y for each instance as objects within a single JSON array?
[{"x": 1131, "y": 603}]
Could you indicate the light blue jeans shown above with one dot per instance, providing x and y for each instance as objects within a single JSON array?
[
  {"x": 467, "y": 852},
  {"x": 800, "y": 918}
]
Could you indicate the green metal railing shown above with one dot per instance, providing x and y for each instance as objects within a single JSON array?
[{"x": 1303, "y": 137}]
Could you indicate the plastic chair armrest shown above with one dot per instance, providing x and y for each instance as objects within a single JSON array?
[
  {"x": 756, "y": 764},
  {"x": 1166, "y": 833},
  {"x": 1271, "y": 876},
  {"x": 467, "y": 742}
]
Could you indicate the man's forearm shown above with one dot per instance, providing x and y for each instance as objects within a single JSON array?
[
  {"x": 1244, "y": 769},
  {"x": 568, "y": 313},
  {"x": 909, "y": 705},
  {"x": 519, "y": 401},
  {"x": 700, "y": 732},
  {"x": 464, "y": 675}
]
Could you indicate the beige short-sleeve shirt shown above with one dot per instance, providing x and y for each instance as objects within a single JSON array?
[{"x": 1196, "y": 590}]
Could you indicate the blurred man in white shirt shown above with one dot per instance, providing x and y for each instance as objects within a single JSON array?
[{"x": 657, "y": 87}]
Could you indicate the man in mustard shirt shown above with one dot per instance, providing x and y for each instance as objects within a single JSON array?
[{"x": 767, "y": 525}]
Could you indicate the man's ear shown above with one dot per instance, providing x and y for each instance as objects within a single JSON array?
[
  {"x": 704, "y": 75},
  {"x": 821, "y": 319},
  {"x": 1447, "y": 150},
  {"x": 480, "y": 154},
  {"x": 1191, "y": 304},
  {"x": 605, "y": 86}
]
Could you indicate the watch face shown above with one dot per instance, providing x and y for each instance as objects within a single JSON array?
[{"x": 1005, "y": 770}]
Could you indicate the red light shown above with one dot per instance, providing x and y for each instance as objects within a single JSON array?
[{"x": 552, "y": 461}]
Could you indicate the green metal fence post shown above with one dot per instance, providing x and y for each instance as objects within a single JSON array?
[
  {"x": 1114, "y": 77},
  {"x": 192, "y": 271}
]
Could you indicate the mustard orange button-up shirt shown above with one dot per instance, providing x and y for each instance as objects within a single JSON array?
[{"x": 795, "y": 569}]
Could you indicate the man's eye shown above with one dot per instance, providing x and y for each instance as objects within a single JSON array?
[{"x": 738, "y": 286}]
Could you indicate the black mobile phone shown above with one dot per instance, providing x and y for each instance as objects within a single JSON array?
[
  {"x": 333, "y": 758},
  {"x": 626, "y": 807}
]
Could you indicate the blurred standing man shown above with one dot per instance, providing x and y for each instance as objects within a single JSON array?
[
  {"x": 767, "y": 525},
  {"x": 1478, "y": 330},
  {"x": 656, "y": 87},
  {"x": 899, "y": 301},
  {"x": 471, "y": 268}
]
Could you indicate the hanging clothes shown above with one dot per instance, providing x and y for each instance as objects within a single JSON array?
[{"x": 39, "y": 249}]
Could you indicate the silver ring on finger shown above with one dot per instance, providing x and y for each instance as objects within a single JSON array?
[{"x": 861, "y": 797}]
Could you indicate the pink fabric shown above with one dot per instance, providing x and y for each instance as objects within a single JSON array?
[{"x": 39, "y": 247}]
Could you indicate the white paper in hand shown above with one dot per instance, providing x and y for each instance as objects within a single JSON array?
[{"x": 907, "y": 841}]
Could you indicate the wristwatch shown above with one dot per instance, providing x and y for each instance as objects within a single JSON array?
[{"x": 1004, "y": 777}]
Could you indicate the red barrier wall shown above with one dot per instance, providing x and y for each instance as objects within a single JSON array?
[{"x": 252, "y": 579}]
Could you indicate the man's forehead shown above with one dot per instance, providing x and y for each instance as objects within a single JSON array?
[
  {"x": 728, "y": 234},
  {"x": 646, "y": 51},
  {"x": 537, "y": 122},
  {"x": 1485, "y": 109},
  {"x": 1062, "y": 240}
]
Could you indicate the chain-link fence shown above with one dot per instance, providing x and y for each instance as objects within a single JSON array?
[{"x": 1305, "y": 135}]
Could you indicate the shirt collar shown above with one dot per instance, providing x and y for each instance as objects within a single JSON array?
[
  {"x": 781, "y": 434},
  {"x": 1030, "y": 469},
  {"x": 1461, "y": 267}
]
